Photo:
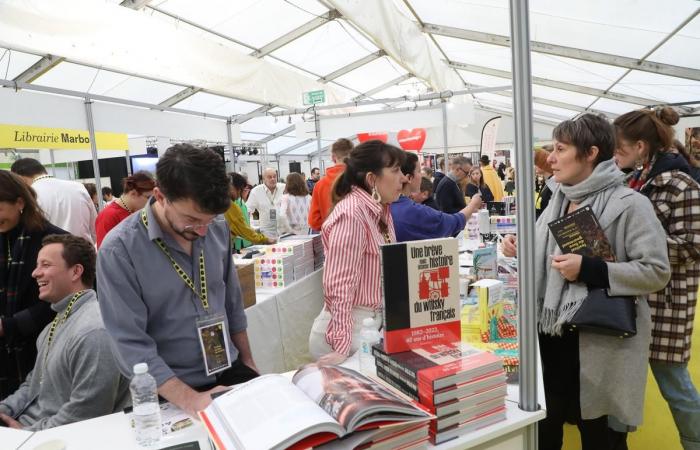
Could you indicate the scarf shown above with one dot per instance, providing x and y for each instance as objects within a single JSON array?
[
  {"x": 14, "y": 248},
  {"x": 558, "y": 299},
  {"x": 639, "y": 177}
]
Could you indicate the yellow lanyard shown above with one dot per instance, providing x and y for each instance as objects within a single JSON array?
[
  {"x": 188, "y": 281},
  {"x": 54, "y": 324}
]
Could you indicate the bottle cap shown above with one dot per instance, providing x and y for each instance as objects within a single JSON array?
[
  {"x": 368, "y": 322},
  {"x": 140, "y": 368}
]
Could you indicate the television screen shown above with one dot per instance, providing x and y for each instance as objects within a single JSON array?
[{"x": 147, "y": 163}]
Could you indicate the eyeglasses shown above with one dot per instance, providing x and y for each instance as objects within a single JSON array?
[{"x": 196, "y": 226}]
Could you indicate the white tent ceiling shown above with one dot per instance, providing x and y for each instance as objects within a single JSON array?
[{"x": 596, "y": 55}]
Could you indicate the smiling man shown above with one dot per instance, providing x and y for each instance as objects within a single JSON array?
[
  {"x": 168, "y": 288},
  {"x": 75, "y": 376}
]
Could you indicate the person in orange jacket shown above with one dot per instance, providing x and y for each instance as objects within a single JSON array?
[{"x": 321, "y": 198}]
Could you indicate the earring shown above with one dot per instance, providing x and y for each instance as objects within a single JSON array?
[
  {"x": 375, "y": 195},
  {"x": 21, "y": 211}
]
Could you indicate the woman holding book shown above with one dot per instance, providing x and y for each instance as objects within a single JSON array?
[
  {"x": 476, "y": 185},
  {"x": 597, "y": 379},
  {"x": 645, "y": 140},
  {"x": 358, "y": 224}
]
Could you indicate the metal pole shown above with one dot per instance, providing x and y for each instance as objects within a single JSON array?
[
  {"x": 444, "y": 133},
  {"x": 127, "y": 156},
  {"x": 93, "y": 147},
  {"x": 53, "y": 163},
  {"x": 230, "y": 145},
  {"x": 522, "y": 116}
]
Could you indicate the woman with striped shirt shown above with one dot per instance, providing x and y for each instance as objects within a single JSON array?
[{"x": 358, "y": 224}]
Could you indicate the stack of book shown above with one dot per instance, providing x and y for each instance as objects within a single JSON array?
[
  {"x": 274, "y": 271},
  {"x": 301, "y": 250},
  {"x": 465, "y": 388},
  {"x": 316, "y": 246}
]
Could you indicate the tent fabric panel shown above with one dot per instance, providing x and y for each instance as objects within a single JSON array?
[
  {"x": 327, "y": 48},
  {"x": 371, "y": 75},
  {"x": 248, "y": 21},
  {"x": 663, "y": 88}
]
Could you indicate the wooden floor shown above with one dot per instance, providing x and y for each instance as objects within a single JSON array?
[{"x": 658, "y": 430}]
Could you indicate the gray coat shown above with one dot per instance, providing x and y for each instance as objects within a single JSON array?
[{"x": 613, "y": 371}]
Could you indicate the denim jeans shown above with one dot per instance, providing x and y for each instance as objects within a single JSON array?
[{"x": 682, "y": 398}]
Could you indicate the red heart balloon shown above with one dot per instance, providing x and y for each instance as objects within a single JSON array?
[
  {"x": 411, "y": 140},
  {"x": 380, "y": 135}
]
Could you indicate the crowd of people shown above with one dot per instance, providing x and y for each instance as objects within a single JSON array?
[{"x": 165, "y": 276}]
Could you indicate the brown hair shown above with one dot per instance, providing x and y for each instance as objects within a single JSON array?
[
  {"x": 140, "y": 182},
  {"x": 295, "y": 185},
  {"x": 653, "y": 126},
  {"x": 541, "y": 156},
  {"x": 586, "y": 131},
  {"x": 683, "y": 151},
  {"x": 76, "y": 250},
  {"x": 426, "y": 186},
  {"x": 12, "y": 188},
  {"x": 370, "y": 156},
  {"x": 481, "y": 178},
  {"x": 341, "y": 148}
]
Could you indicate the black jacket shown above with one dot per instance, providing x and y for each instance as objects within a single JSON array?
[
  {"x": 449, "y": 196},
  {"x": 486, "y": 195}
]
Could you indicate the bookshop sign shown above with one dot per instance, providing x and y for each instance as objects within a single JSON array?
[{"x": 20, "y": 136}]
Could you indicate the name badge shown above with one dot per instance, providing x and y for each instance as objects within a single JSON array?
[
  {"x": 273, "y": 215},
  {"x": 213, "y": 339}
]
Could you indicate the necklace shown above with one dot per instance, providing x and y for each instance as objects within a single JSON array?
[
  {"x": 42, "y": 177},
  {"x": 122, "y": 203}
]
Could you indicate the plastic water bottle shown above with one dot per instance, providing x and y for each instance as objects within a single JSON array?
[
  {"x": 369, "y": 335},
  {"x": 144, "y": 398}
]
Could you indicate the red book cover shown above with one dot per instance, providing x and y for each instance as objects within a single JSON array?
[
  {"x": 441, "y": 365},
  {"x": 420, "y": 288}
]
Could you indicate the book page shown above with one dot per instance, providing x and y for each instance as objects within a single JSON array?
[
  {"x": 350, "y": 397},
  {"x": 269, "y": 412}
]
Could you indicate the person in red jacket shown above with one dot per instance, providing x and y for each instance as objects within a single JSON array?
[
  {"x": 321, "y": 198},
  {"x": 137, "y": 189}
]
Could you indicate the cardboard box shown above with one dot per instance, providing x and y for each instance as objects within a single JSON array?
[{"x": 246, "y": 279}]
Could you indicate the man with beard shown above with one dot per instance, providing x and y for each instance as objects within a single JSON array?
[{"x": 167, "y": 282}]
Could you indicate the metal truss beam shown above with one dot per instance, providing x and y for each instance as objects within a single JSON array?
[
  {"x": 567, "y": 52},
  {"x": 386, "y": 85},
  {"x": 296, "y": 33},
  {"x": 557, "y": 84},
  {"x": 180, "y": 96},
  {"x": 352, "y": 66},
  {"x": 39, "y": 68},
  {"x": 293, "y": 147}
]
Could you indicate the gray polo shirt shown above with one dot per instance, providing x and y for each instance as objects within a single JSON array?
[{"x": 149, "y": 311}]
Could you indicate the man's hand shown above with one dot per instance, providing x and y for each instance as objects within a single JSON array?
[
  {"x": 269, "y": 241},
  {"x": 509, "y": 246},
  {"x": 569, "y": 265},
  {"x": 10, "y": 422},
  {"x": 331, "y": 358}
]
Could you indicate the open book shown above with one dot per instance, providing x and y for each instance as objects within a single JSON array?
[{"x": 319, "y": 404}]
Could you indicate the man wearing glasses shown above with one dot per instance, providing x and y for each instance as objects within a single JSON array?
[
  {"x": 448, "y": 194},
  {"x": 169, "y": 294}
]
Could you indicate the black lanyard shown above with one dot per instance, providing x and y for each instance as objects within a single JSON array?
[{"x": 188, "y": 281}]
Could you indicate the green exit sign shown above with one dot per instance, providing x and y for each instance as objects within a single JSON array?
[{"x": 314, "y": 97}]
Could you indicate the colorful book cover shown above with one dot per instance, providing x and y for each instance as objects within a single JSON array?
[
  {"x": 485, "y": 262},
  {"x": 420, "y": 287},
  {"x": 579, "y": 232}
]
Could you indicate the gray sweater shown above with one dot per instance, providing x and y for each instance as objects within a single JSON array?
[{"x": 80, "y": 375}]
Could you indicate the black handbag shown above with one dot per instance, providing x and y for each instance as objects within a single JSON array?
[{"x": 602, "y": 314}]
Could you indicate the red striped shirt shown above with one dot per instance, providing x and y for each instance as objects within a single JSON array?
[{"x": 352, "y": 272}]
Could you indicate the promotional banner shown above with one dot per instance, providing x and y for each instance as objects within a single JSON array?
[
  {"x": 488, "y": 137},
  {"x": 20, "y": 136},
  {"x": 412, "y": 140},
  {"x": 380, "y": 135}
]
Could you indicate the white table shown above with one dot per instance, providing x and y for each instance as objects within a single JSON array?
[{"x": 12, "y": 439}]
